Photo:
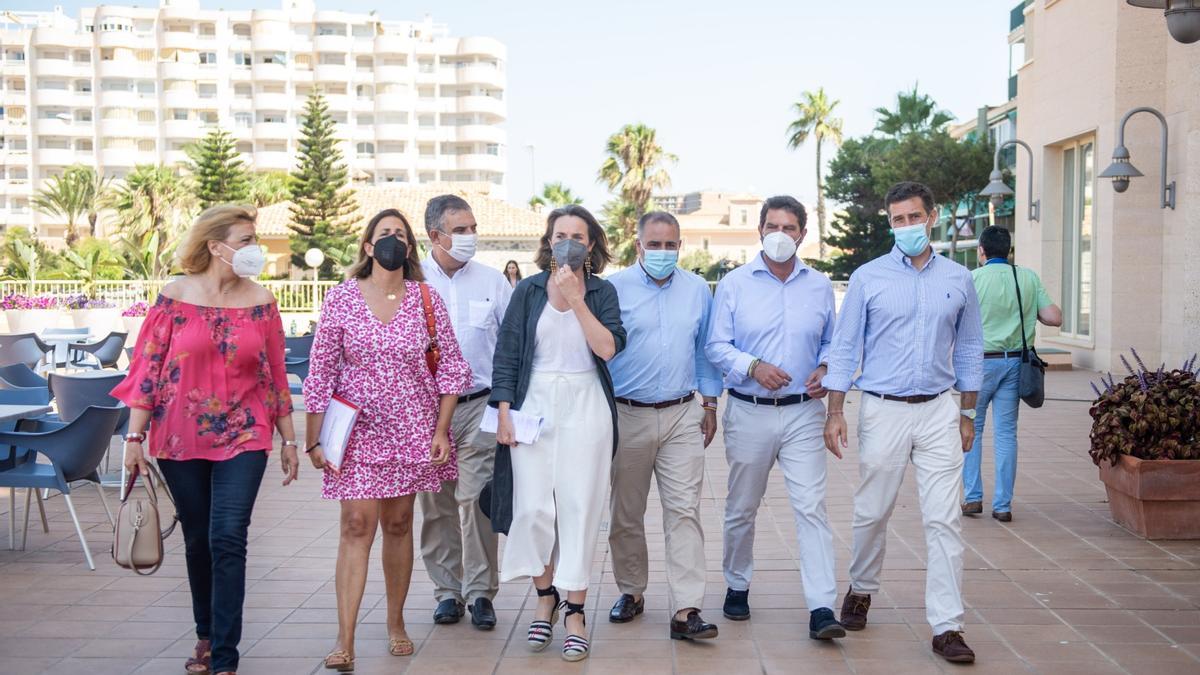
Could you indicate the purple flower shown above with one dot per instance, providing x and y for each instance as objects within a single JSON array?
[{"x": 139, "y": 308}]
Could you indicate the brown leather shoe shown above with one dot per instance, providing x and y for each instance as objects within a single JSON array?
[
  {"x": 854, "y": 610},
  {"x": 972, "y": 508},
  {"x": 693, "y": 629},
  {"x": 1002, "y": 516},
  {"x": 951, "y": 646}
]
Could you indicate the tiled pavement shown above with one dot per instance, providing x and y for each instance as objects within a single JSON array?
[{"x": 1059, "y": 590}]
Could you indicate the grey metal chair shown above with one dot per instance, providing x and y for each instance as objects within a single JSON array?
[
  {"x": 63, "y": 343},
  {"x": 75, "y": 394},
  {"x": 75, "y": 450},
  {"x": 296, "y": 360},
  {"x": 26, "y": 348},
  {"x": 21, "y": 375},
  {"x": 103, "y": 353}
]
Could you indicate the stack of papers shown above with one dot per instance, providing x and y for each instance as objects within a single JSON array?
[
  {"x": 528, "y": 428},
  {"x": 339, "y": 421}
]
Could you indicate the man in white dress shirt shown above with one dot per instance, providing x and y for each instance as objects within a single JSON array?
[{"x": 457, "y": 541}]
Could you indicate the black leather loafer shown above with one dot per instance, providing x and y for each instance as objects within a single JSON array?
[
  {"x": 448, "y": 611},
  {"x": 694, "y": 628},
  {"x": 626, "y": 608},
  {"x": 737, "y": 605},
  {"x": 483, "y": 615}
]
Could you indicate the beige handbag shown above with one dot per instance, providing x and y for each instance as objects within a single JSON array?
[{"x": 138, "y": 537}]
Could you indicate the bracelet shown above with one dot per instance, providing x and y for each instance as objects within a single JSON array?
[
  {"x": 709, "y": 407},
  {"x": 750, "y": 369},
  {"x": 292, "y": 444},
  {"x": 312, "y": 447},
  {"x": 134, "y": 437},
  {"x": 834, "y": 413}
]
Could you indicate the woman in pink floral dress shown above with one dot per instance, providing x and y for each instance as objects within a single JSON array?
[{"x": 370, "y": 350}]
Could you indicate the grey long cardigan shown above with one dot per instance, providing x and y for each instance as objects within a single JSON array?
[{"x": 512, "y": 367}]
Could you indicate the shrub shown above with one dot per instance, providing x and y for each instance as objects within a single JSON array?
[
  {"x": 139, "y": 308},
  {"x": 21, "y": 301},
  {"x": 1148, "y": 415}
]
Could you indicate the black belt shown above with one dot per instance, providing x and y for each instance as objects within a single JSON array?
[
  {"x": 1002, "y": 355},
  {"x": 660, "y": 405},
  {"x": 763, "y": 400},
  {"x": 919, "y": 398},
  {"x": 471, "y": 397}
]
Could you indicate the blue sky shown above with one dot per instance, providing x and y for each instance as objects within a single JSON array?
[{"x": 715, "y": 78}]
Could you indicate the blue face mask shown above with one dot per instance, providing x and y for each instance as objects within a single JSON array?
[
  {"x": 660, "y": 264},
  {"x": 912, "y": 239}
]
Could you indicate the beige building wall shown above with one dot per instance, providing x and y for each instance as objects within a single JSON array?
[{"x": 1087, "y": 64}]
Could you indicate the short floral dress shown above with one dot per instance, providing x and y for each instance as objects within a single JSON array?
[
  {"x": 380, "y": 367},
  {"x": 212, "y": 377}
]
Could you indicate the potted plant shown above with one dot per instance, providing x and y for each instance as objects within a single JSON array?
[
  {"x": 30, "y": 314},
  {"x": 100, "y": 315},
  {"x": 133, "y": 317},
  {"x": 1146, "y": 441}
]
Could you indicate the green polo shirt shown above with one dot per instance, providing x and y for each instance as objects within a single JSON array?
[{"x": 998, "y": 305}]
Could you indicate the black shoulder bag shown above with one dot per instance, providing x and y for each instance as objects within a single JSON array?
[{"x": 1032, "y": 387}]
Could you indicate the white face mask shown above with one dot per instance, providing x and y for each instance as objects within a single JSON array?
[
  {"x": 779, "y": 246},
  {"x": 248, "y": 261},
  {"x": 462, "y": 247}
]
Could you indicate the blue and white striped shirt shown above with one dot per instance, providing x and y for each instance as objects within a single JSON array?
[
  {"x": 785, "y": 323},
  {"x": 914, "y": 332}
]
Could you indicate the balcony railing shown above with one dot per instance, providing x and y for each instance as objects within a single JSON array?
[{"x": 292, "y": 295}]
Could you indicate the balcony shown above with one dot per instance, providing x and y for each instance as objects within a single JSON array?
[
  {"x": 331, "y": 72},
  {"x": 392, "y": 73},
  {"x": 187, "y": 129},
  {"x": 271, "y": 41},
  {"x": 393, "y": 101},
  {"x": 118, "y": 157},
  {"x": 60, "y": 97},
  {"x": 13, "y": 68},
  {"x": 126, "y": 69},
  {"x": 173, "y": 39},
  {"x": 340, "y": 44},
  {"x": 484, "y": 46},
  {"x": 494, "y": 163},
  {"x": 480, "y": 133},
  {"x": 363, "y": 104},
  {"x": 52, "y": 126},
  {"x": 174, "y": 70},
  {"x": 272, "y": 160},
  {"x": 120, "y": 128},
  {"x": 119, "y": 98},
  {"x": 11, "y": 97},
  {"x": 273, "y": 131},
  {"x": 482, "y": 104},
  {"x": 389, "y": 161},
  {"x": 175, "y": 157},
  {"x": 241, "y": 73},
  {"x": 490, "y": 76},
  {"x": 338, "y": 102},
  {"x": 56, "y": 157},
  {"x": 124, "y": 38},
  {"x": 48, "y": 35},
  {"x": 272, "y": 101},
  {"x": 393, "y": 132},
  {"x": 393, "y": 44},
  {"x": 271, "y": 71},
  {"x": 181, "y": 98},
  {"x": 62, "y": 68}
]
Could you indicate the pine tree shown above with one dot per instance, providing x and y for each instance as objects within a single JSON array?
[
  {"x": 323, "y": 207},
  {"x": 217, "y": 170}
]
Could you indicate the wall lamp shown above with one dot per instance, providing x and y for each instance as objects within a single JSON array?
[
  {"x": 1121, "y": 170},
  {"x": 1183, "y": 17},
  {"x": 997, "y": 189}
]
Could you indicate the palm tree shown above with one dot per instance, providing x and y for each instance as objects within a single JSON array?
[
  {"x": 152, "y": 205},
  {"x": 914, "y": 113},
  {"x": 77, "y": 193},
  {"x": 554, "y": 195},
  {"x": 634, "y": 166},
  {"x": 269, "y": 187},
  {"x": 814, "y": 118}
]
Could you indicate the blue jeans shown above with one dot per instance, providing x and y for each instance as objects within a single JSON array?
[
  {"x": 1001, "y": 378},
  {"x": 214, "y": 501}
]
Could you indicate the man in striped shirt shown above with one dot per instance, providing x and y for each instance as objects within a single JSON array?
[{"x": 911, "y": 320}]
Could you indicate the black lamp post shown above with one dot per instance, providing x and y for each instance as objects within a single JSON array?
[
  {"x": 1121, "y": 170},
  {"x": 996, "y": 187}
]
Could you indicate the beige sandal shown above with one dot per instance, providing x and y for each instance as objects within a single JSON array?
[
  {"x": 339, "y": 660},
  {"x": 401, "y": 647}
]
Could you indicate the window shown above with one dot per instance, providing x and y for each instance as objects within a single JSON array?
[
  {"x": 83, "y": 86},
  {"x": 425, "y": 121},
  {"x": 53, "y": 85},
  {"x": 427, "y": 177},
  {"x": 145, "y": 88},
  {"x": 242, "y": 59},
  {"x": 391, "y": 147},
  {"x": 208, "y": 58},
  {"x": 394, "y": 118},
  {"x": 242, "y": 90},
  {"x": 331, "y": 29},
  {"x": 17, "y": 55},
  {"x": 363, "y": 30},
  {"x": 425, "y": 65},
  {"x": 242, "y": 119},
  {"x": 364, "y": 91},
  {"x": 179, "y": 114},
  {"x": 401, "y": 177},
  {"x": 241, "y": 30},
  {"x": 426, "y": 149},
  {"x": 145, "y": 55},
  {"x": 365, "y": 119},
  {"x": 365, "y": 149},
  {"x": 245, "y": 147},
  {"x": 1078, "y": 262},
  {"x": 83, "y": 145},
  {"x": 364, "y": 62},
  {"x": 54, "y": 54},
  {"x": 304, "y": 61},
  {"x": 493, "y": 149},
  {"x": 273, "y": 57},
  {"x": 208, "y": 31},
  {"x": 83, "y": 56},
  {"x": 116, "y": 114},
  {"x": 332, "y": 59},
  {"x": 272, "y": 117},
  {"x": 207, "y": 117},
  {"x": 207, "y": 90},
  {"x": 400, "y": 61},
  {"x": 53, "y": 143},
  {"x": 113, "y": 143},
  {"x": 425, "y": 93},
  {"x": 48, "y": 113},
  {"x": 145, "y": 117},
  {"x": 145, "y": 146},
  {"x": 83, "y": 115}
]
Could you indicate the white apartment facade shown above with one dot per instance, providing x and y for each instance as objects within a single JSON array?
[{"x": 122, "y": 86}]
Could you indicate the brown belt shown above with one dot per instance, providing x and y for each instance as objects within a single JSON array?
[
  {"x": 1002, "y": 355},
  {"x": 466, "y": 398},
  {"x": 919, "y": 398},
  {"x": 660, "y": 405}
]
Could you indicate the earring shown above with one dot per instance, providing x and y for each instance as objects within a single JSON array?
[
  {"x": 553, "y": 266},
  {"x": 587, "y": 265}
]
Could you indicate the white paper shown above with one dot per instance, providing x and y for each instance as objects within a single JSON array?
[
  {"x": 335, "y": 431},
  {"x": 528, "y": 428}
]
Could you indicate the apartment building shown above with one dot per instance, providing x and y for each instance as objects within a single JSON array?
[
  {"x": 121, "y": 85},
  {"x": 726, "y": 223}
]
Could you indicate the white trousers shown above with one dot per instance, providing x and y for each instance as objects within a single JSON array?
[
  {"x": 757, "y": 436},
  {"x": 890, "y": 435},
  {"x": 560, "y": 482}
]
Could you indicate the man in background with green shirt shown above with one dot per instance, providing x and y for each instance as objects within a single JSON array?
[{"x": 995, "y": 284}]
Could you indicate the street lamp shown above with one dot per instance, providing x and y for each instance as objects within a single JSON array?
[
  {"x": 1121, "y": 170},
  {"x": 313, "y": 257},
  {"x": 997, "y": 189},
  {"x": 1183, "y": 17}
]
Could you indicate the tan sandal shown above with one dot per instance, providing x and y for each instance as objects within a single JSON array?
[
  {"x": 339, "y": 660},
  {"x": 401, "y": 647}
]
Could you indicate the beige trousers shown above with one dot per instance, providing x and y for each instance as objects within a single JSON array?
[
  {"x": 457, "y": 541},
  {"x": 668, "y": 444}
]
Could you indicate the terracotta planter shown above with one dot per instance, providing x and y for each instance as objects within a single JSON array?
[
  {"x": 1156, "y": 499},
  {"x": 31, "y": 320}
]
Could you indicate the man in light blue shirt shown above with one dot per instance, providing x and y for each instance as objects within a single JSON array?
[
  {"x": 771, "y": 326},
  {"x": 911, "y": 319},
  {"x": 665, "y": 311}
]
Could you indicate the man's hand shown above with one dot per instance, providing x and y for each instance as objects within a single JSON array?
[
  {"x": 772, "y": 378},
  {"x": 966, "y": 428},
  {"x": 708, "y": 426},
  {"x": 835, "y": 434},
  {"x": 813, "y": 384}
]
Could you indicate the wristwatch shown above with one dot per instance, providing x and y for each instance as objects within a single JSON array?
[{"x": 968, "y": 413}]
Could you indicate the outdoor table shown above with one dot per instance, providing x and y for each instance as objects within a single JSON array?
[{"x": 62, "y": 345}]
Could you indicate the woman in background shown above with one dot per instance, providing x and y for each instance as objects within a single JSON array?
[{"x": 512, "y": 272}]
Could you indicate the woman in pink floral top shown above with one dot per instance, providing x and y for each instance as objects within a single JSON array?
[
  {"x": 369, "y": 350},
  {"x": 207, "y": 376}
]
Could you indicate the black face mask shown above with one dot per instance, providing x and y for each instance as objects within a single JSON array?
[{"x": 390, "y": 253}]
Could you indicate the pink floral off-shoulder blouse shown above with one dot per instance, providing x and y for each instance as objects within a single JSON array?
[{"x": 212, "y": 377}]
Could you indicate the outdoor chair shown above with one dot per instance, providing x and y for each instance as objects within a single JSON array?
[
  {"x": 75, "y": 450},
  {"x": 296, "y": 360},
  {"x": 100, "y": 354},
  {"x": 26, "y": 348},
  {"x": 60, "y": 340},
  {"x": 21, "y": 386},
  {"x": 76, "y": 394}
]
